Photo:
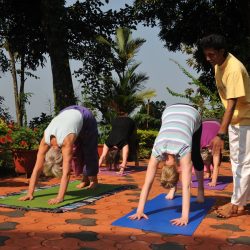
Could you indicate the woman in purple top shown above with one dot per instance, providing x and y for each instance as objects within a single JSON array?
[
  {"x": 210, "y": 129},
  {"x": 73, "y": 132}
]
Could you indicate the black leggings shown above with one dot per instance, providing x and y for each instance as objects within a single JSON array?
[{"x": 196, "y": 153}]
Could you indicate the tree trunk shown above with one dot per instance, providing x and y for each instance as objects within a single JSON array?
[
  {"x": 21, "y": 92},
  {"x": 53, "y": 15},
  {"x": 147, "y": 113},
  {"x": 15, "y": 85}
]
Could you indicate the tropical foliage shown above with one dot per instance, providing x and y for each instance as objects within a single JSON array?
[
  {"x": 183, "y": 23},
  {"x": 125, "y": 90},
  {"x": 149, "y": 115},
  {"x": 146, "y": 140},
  {"x": 29, "y": 30},
  {"x": 200, "y": 96},
  {"x": 4, "y": 112}
]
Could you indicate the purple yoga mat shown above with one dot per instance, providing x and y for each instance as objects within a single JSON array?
[
  {"x": 128, "y": 170},
  {"x": 222, "y": 182}
]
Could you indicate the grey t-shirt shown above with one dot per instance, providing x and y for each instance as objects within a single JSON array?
[{"x": 65, "y": 123}]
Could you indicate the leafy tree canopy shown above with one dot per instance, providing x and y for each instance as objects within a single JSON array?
[
  {"x": 183, "y": 23},
  {"x": 124, "y": 90},
  {"x": 149, "y": 115}
]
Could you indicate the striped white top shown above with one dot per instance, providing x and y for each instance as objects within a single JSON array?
[{"x": 179, "y": 123}]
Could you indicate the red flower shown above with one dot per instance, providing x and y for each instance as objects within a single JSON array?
[
  {"x": 2, "y": 140},
  {"x": 9, "y": 131},
  {"x": 35, "y": 129},
  {"x": 8, "y": 138},
  {"x": 11, "y": 125},
  {"x": 23, "y": 143}
]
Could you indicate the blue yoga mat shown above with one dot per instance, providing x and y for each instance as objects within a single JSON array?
[{"x": 160, "y": 211}]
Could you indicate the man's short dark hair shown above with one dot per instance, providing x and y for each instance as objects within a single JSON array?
[{"x": 213, "y": 41}]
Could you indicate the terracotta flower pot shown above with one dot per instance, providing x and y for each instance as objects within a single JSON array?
[
  {"x": 24, "y": 161},
  {"x": 100, "y": 148}
]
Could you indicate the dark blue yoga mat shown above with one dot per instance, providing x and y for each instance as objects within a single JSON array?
[{"x": 160, "y": 211}]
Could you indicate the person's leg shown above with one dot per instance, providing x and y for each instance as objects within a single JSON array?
[
  {"x": 239, "y": 141},
  {"x": 171, "y": 193},
  {"x": 91, "y": 154},
  {"x": 116, "y": 159},
  {"x": 104, "y": 154},
  {"x": 198, "y": 163},
  {"x": 207, "y": 170},
  {"x": 240, "y": 136},
  {"x": 84, "y": 183},
  {"x": 125, "y": 151},
  {"x": 216, "y": 165},
  {"x": 89, "y": 138},
  {"x": 78, "y": 161},
  {"x": 206, "y": 157},
  {"x": 200, "y": 179}
]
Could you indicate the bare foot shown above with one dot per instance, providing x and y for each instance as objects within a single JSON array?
[
  {"x": 122, "y": 168},
  {"x": 223, "y": 207},
  {"x": 171, "y": 194},
  {"x": 83, "y": 185},
  {"x": 101, "y": 159},
  {"x": 207, "y": 175},
  {"x": 200, "y": 197},
  {"x": 116, "y": 167},
  {"x": 92, "y": 185},
  {"x": 231, "y": 211}
]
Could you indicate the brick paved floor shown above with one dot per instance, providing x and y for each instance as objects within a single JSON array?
[{"x": 89, "y": 227}]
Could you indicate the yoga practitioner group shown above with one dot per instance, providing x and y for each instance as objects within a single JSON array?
[{"x": 72, "y": 136}]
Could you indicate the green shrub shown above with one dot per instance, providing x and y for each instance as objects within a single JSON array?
[
  {"x": 146, "y": 141},
  {"x": 103, "y": 131}
]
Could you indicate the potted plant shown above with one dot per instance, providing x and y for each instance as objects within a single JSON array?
[
  {"x": 23, "y": 142},
  {"x": 104, "y": 131},
  {"x": 5, "y": 155}
]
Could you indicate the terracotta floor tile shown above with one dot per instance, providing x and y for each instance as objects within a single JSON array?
[
  {"x": 100, "y": 245},
  {"x": 11, "y": 248},
  {"x": 14, "y": 234},
  {"x": 142, "y": 245},
  {"x": 43, "y": 248},
  {"x": 66, "y": 230},
  {"x": 235, "y": 247},
  {"x": 68, "y": 243},
  {"x": 62, "y": 228},
  {"x": 203, "y": 246},
  {"x": 25, "y": 242},
  {"x": 149, "y": 239}
]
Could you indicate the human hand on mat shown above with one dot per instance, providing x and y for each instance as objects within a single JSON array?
[
  {"x": 54, "y": 201},
  {"x": 212, "y": 184},
  {"x": 180, "y": 221},
  {"x": 26, "y": 197},
  {"x": 138, "y": 216}
]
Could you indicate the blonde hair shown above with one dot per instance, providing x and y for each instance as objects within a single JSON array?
[
  {"x": 53, "y": 162},
  {"x": 169, "y": 176},
  {"x": 206, "y": 156}
]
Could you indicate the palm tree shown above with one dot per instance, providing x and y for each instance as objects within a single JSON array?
[{"x": 127, "y": 90}]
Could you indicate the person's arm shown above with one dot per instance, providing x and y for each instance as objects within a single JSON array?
[
  {"x": 43, "y": 149},
  {"x": 67, "y": 154},
  {"x": 186, "y": 166},
  {"x": 151, "y": 170},
  {"x": 216, "y": 165},
  {"x": 217, "y": 144}
]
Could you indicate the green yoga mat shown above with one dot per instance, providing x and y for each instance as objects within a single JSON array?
[{"x": 73, "y": 198}]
